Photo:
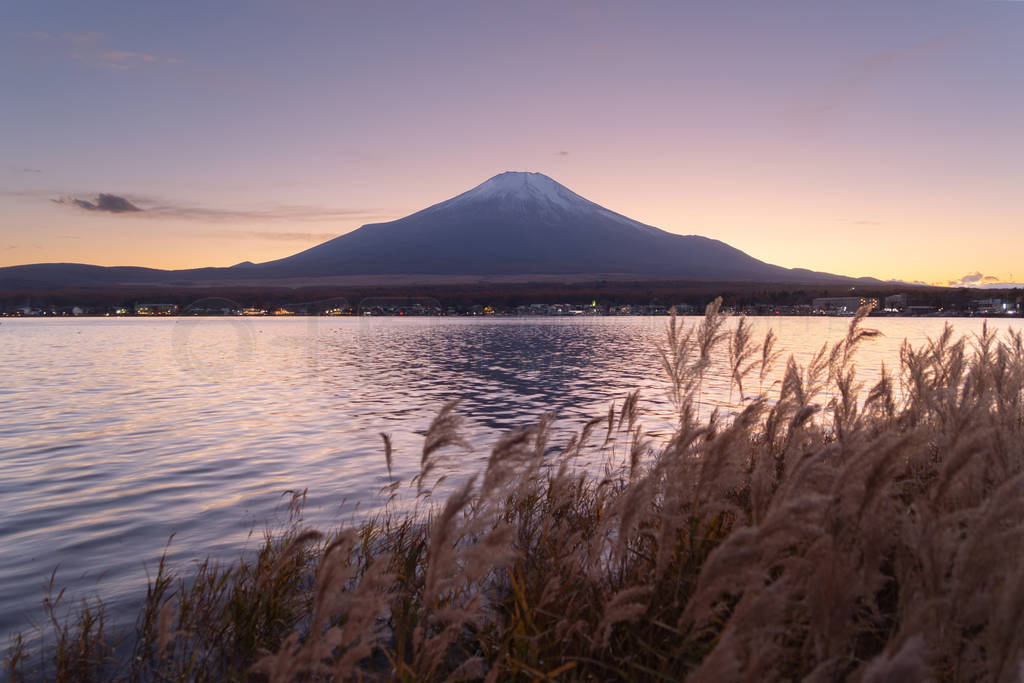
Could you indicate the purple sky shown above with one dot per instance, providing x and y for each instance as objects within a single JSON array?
[{"x": 868, "y": 138}]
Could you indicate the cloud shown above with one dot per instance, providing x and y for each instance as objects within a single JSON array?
[
  {"x": 855, "y": 221},
  {"x": 277, "y": 213},
  {"x": 89, "y": 48},
  {"x": 278, "y": 236},
  {"x": 967, "y": 280},
  {"x": 123, "y": 58},
  {"x": 851, "y": 84},
  {"x": 110, "y": 203},
  {"x": 15, "y": 168},
  {"x": 157, "y": 208},
  {"x": 562, "y": 153},
  {"x": 979, "y": 280}
]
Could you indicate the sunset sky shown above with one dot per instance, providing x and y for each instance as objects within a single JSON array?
[{"x": 879, "y": 139}]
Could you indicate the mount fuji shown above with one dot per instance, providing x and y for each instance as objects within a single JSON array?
[
  {"x": 527, "y": 224},
  {"x": 514, "y": 224}
]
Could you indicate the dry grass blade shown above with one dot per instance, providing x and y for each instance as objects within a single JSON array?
[
  {"x": 741, "y": 350},
  {"x": 445, "y": 431}
]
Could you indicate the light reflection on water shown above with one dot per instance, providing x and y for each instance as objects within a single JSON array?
[{"x": 116, "y": 433}]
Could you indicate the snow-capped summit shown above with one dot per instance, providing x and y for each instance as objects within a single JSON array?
[
  {"x": 523, "y": 186},
  {"x": 532, "y": 195}
]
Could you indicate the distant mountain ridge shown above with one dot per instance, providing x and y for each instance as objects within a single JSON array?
[{"x": 514, "y": 224}]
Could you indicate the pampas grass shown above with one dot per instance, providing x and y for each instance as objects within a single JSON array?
[{"x": 825, "y": 530}]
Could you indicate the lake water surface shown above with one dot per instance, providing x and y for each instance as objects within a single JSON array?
[{"x": 116, "y": 433}]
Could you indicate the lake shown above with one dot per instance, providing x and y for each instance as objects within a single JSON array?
[{"x": 116, "y": 433}]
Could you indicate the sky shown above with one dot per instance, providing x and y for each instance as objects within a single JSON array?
[{"x": 879, "y": 139}]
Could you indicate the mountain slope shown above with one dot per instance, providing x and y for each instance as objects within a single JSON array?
[
  {"x": 525, "y": 223},
  {"x": 514, "y": 224}
]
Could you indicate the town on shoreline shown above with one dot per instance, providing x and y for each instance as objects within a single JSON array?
[{"x": 901, "y": 304}]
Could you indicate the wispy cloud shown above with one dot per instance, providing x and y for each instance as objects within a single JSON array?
[
  {"x": 157, "y": 208},
  {"x": 311, "y": 237},
  {"x": 852, "y": 81},
  {"x": 110, "y": 203},
  {"x": 562, "y": 153},
  {"x": 277, "y": 213},
  {"x": 90, "y": 48},
  {"x": 861, "y": 221},
  {"x": 15, "y": 168},
  {"x": 123, "y": 58}
]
